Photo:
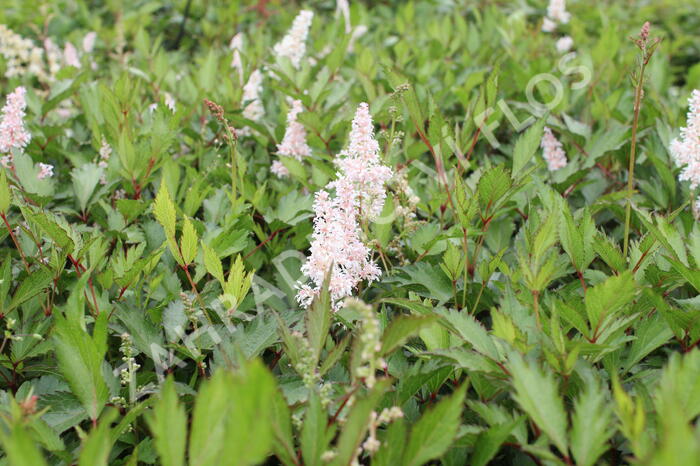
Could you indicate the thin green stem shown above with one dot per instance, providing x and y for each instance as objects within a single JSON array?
[
  {"x": 234, "y": 162},
  {"x": 465, "y": 246},
  {"x": 478, "y": 297},
  {"x": 639, "y": 92}
]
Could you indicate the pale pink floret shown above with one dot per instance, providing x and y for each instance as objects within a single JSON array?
[
  {"x": 685, "y": 150},
  {"x": 552, "y": 151},
  {"x": 293, "y": 45},
  {"x": 13, "y": 134},
  {"x": 45, "y": 171},
  {"x": 294, "y": 142},
  {"x": 336, "y": 244},
  {"x": 279, "y": 170}
]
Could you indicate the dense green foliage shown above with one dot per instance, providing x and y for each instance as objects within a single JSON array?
[{"x": 148, "y": 303}]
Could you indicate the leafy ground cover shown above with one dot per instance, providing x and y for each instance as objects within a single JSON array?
[{"x": 389, "y": 233}]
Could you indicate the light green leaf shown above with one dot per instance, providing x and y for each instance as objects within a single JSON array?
[
  {"x": 400, "y": 329},
  {"x": 19, "y": 446},
  {"x": 526, "y": 145},
  {"x": 213, "y": 264},
  {"x": 609, "y": 297},
  {"x": 434, "y": 432},
  {"x": 80, "y": 362},
  {"x": 591, "y": 424},
  {"x": 188, "y": 242},
  {"x": 164, "y": 211},
  {"x": 85, "y": 180},
  {"x": 472, "y": 332},
  {"x": 314, "y": 440},
  {"x": 31, "y": 286},
  {"x": 168, "y": 423},
  {"x": 318, "y": 320},
  {"x": 537, "y": 393},
  {"x": 96, "y": 447}
]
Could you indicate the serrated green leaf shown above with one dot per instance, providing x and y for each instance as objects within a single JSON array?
[
  {"x": 318, "y": 319},
  {"x": 80, "y": 362},
  {"x": 609, "y": 297},
  {"x": 526, "y": 146},
  {"x": 32, "y": 285},
  {"x": 85, "y": 180},
  {"x": 188, "y": 242},
  {"x": 493, "y": 185},
  {"x": 591, "y": 424},
  {"x": 314, "y": 440},
  {"x": 537, "y": 393},
  {"x": 48, "y": 223},
  {"x": 164, "y": 211},
  {"x": 213, "y": 264},
  {"x": 434, "y": 432},
  {"x": 400, "y": 329},
  {"x": 472, "y": 332},
  {"x": 168, "y": 423}
]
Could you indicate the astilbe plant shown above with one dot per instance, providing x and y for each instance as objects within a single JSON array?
[
  {"x": 293, "y": 45},
  {"x": 491, "y": 259}
]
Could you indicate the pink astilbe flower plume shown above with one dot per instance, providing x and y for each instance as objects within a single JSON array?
[
  {"x": 552, "y": 151},
  {"x": 70, "y": 55},
  {"x": 294, "y": 141},
  {"x": 254, "y": 109},
  {"x": 556, "y": 13},
  {"x": 279, "y": 170},
  {"x": 686, "y": 149},
  {"x": 293, "y": 45},
  {"x": 337, "y": 246},
  {"x": 360, "y": 164},
  {"x": 236, "y": 47},
  {"x": 13, "y": 134},
  {"x": 89, "y": 41},
  {"x": 564, "y": 44}
]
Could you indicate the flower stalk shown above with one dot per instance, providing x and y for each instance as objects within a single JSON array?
[{"x": 647, "y": 48}]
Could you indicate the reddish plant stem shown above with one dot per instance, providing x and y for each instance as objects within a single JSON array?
[
  {"x": 265, "y": 241},
  {"x": 14, "y": 240},
  {"x": 346, "y": 398}
]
